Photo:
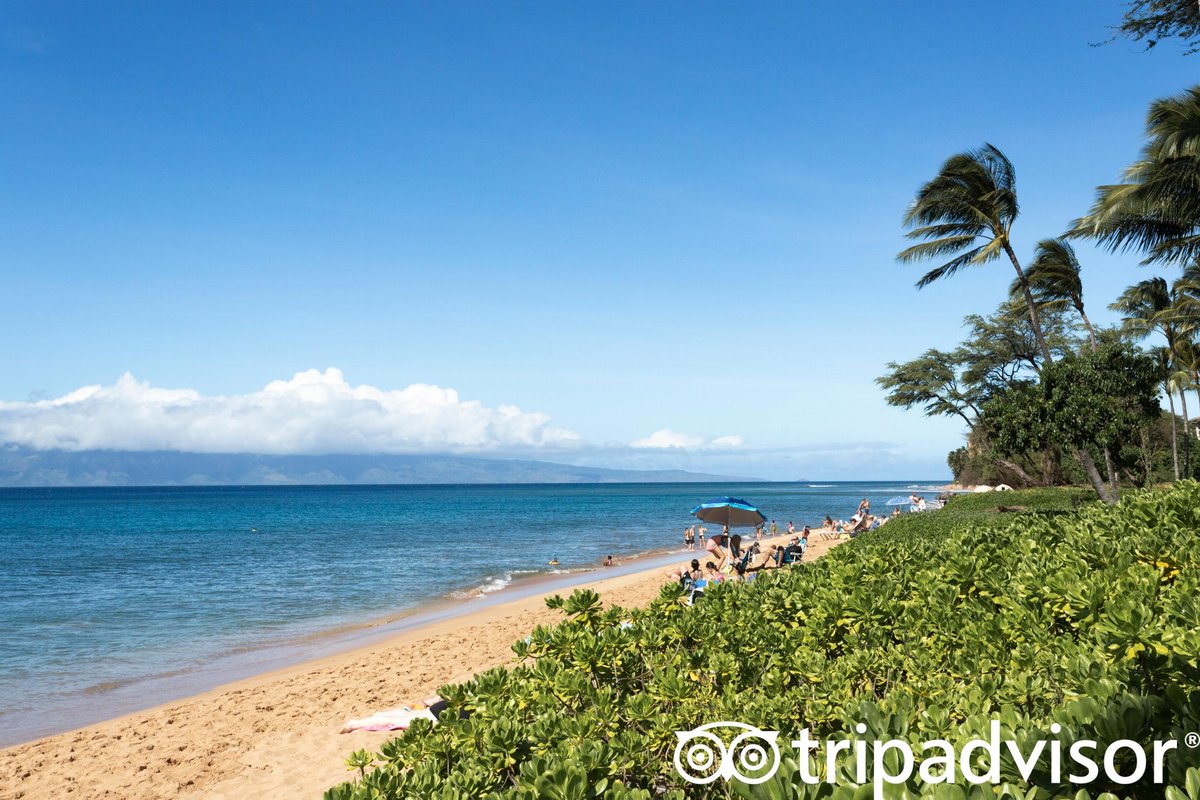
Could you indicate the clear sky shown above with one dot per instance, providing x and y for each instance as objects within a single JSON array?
[{"x": 644, "y": 224}]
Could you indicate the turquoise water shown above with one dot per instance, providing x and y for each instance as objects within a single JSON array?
[{"x": 116, "y": 599}]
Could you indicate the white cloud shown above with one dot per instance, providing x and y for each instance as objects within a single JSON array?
[
  {"x": 313, "y": 412},
  {"x": 667, "y": 438}
]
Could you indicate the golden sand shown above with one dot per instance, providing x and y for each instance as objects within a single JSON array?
[{"x": 278, "y": 734}]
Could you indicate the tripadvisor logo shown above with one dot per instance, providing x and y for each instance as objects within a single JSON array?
[{"x": 729, "y": 750}]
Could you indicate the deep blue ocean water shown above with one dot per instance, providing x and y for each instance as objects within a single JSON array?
[{"x": 114, "y": 599}]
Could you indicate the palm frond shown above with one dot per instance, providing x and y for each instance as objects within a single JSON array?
[{"x": 969, "y": 258}]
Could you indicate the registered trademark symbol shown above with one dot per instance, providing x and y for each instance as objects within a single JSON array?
[{"x": 1192, "y": 739}]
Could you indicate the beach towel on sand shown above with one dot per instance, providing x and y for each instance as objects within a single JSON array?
[{"x": 394, "y": 719}]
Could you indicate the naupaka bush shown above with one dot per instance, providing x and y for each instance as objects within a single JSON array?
[{"x": 929, "y": 628}]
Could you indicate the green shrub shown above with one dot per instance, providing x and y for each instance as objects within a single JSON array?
[{"x": 930, "y": 627}]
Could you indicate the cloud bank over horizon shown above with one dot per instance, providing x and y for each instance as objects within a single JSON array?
[
  {"x": 667, "y": 438},
  {"x": 320, "y": 413},
  {"x": 313, "y": 412}
]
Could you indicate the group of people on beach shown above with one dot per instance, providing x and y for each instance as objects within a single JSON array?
[
  {"x": 863, "y": 520},
  {"x": 729, "y": 559},
  {"x": 694, "y": 533}
]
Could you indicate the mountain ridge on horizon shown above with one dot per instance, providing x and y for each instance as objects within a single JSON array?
[{"x": 22, "y": 467}]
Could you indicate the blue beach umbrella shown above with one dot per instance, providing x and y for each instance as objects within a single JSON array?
[{"x": 729, "y": 511}]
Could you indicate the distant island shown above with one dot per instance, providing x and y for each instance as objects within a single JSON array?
[{"x": 24, "y": 467}]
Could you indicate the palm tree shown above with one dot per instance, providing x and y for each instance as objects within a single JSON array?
[
  {"x": 1187, "y": 357},
  {"x": 1055, "y": 281},
  {"x": 1179, "y": 379},
  {"x": 1163, "y": 359},
  {"x": 1156, "y": 208},
  {"x": 1187, "y": 290},
  {"x": 966, "y": 213},
  {"x": 1151, "y": 306}
]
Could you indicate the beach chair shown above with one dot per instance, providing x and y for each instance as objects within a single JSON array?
[{"x": 789, "y": 556}]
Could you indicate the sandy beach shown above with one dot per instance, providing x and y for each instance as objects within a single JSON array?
[{"x": 278, "y": 734}]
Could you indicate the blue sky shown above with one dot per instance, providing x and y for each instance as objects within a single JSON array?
[{"x": 619, "y": 218}]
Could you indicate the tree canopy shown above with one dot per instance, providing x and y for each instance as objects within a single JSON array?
[{"x": 1151, "y": 21}]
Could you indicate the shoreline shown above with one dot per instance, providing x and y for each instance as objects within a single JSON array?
[
  {"x": 97, "y": 704},
  {"x": 276, "y": 733}
]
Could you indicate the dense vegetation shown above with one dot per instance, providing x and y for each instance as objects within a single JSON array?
[
  {"x": 1046, "y": 610},
  {"x": 964, "y": 216}
]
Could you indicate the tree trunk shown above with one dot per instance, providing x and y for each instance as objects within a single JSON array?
[
  {"x": 1113, "y": 478},
  {"x": 1016, "y": 470},
  {"x": 1174, "y": 435},
  {"x": 1087, "y": 323},
  {"x": 1187, "y": 439},
  {"x": 1147, "y": 460},
  {"x": 1048, "y": 468},
  {"x": 1089, "y": 466},
  {"x": 1196, "y": 431},
  {"x": 1034, "y": 317}
]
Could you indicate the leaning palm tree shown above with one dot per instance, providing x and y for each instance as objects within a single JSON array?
[
  {"x": 965, "y": 213},
  {"x": 1055, "y": 282},
  {"x": 1156, "y": 208},
  {"x": 1151, "y": 306}
]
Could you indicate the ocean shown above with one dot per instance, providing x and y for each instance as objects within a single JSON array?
[{"x": 116, "y": 599}]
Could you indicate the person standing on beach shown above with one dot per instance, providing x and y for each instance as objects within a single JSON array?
[
  {"x": 774, "y": 528},
  {"x": 715, "y": 547},
  {"x": 700, "y": 531}
]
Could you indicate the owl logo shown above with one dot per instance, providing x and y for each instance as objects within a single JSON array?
[{"x": 701, "y": 756}]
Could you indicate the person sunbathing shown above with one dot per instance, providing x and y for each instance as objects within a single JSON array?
[
  {"x": 398, "y": 719},
  {"x": 792, "y": 554},
  {"x": 711, "y": 572},
  {"x": 687, "y": 576},
  {"x": 767, "y": 559}
]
